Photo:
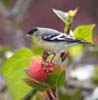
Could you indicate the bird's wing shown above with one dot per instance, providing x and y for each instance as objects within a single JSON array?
[{"x": 57, "y": 37}]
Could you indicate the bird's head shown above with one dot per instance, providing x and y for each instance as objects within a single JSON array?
[{"x": 32, "y": 31}]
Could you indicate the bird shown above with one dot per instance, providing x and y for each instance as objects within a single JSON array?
[{"x": 52, "y": 40}]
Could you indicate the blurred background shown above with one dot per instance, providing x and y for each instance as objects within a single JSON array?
[{"x": 17, "y": 17}]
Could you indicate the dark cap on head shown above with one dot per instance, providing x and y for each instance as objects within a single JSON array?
[{"x": 32, "y": 31}]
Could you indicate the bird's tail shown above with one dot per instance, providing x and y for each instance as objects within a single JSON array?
[{"x": 85, "y": 42}]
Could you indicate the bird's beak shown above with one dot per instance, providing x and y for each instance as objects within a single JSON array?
[{"x": 27, "y": 34}]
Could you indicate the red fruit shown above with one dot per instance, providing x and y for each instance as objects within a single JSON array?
[{"x": 37, "y": 72}]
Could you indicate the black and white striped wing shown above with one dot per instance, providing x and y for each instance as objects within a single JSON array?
[{"x": 57, "y": 37}]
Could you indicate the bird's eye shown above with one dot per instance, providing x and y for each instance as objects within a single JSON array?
[{"x": 31, "y": 32}]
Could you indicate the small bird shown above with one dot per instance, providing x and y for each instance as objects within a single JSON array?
[{"x": 52, "y": 40}]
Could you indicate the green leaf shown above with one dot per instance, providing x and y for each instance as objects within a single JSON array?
[
  {"x": 62, "y": 15},
  {"x": 13, "y": 71},
  {"x": 36, "y": 85},
  {"x": 61, "y": 79},
  {"x": 31, "y": 93},
  {"x": 72, "y": 13},
  {"x": 84, "y": 32},
  {"x": 66, "y": 17},
  {"x": 6, "y": 2},
  {"x": 53, "y": 76}
]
